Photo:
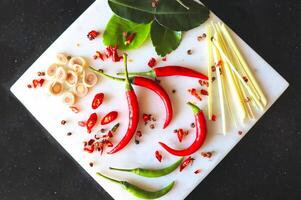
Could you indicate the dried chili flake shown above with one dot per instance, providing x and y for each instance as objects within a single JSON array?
[
  {"x": 108, "y": 143},
  {"x": 139, "y": 134},
  {"x": 213, "y": 118},
  {"x": 91, "y": 164},
  {"x": 130, "y": 38},
  {"x": 197, "y": 171},
  {"x": 74, "y": 109},
  {"x": 186, "y": 162},
  {"x": 41, "y": 73},
  {"x": 213, "y": 68},
  {"x": 204, "y": 92},
  {"x": 192, "y": 125},
  {"x": 110, "y": 134},
  {"x": 97, "y": 137},
  {"x": 245, "y": 79},
  {"x": 69, "y": 133},
  {"x": 92, "y": 35},
  {"x": 173, "y": 91},
  {"x": 239, "y": 132},
  {"x": 152, "y": 126},
  {"x": 63, "y": 122},
  {"x": 152, "y": 62},
  {"x": 137, "y": 142},
  {"x": 100, "y": 55},
  {"x": 194, "y": 93},
  {"x": 181, "y": 133},
  {"x": 90, "y": 142},
  {"x": 154, "y": 119},
  {"x": 41, "y": 82},
  {"x": 158, "y": 156},
  {"x": 189, "y": 52},
  {"x": 35, "y": 83},
  {"x": 219, "y": 63},
  {"x": 213, "y": 79},
  {"x": 164, "y": 59},
  {"x": 29, "y": 86},
  {"x": 81, "y": 123},
  {"x": 115, "y": 56},
  {"x": 207, "y": 154}
]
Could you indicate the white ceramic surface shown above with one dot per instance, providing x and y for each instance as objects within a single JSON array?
[{"x": 49, "y": 111}]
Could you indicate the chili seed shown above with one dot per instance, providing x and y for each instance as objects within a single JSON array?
[
  {"x": 152, "y": 126},
  {"x": 63, "y": 122},
  {"x": 91, "y": 164},
  {"x": 192, "y": 125},
  {"x": 137, "y": 142},
  {"x": 189, "y": 51},
  {"x": 239, "y": 132},
  {"x": 245, "y": 79},
  {"x": 29, "y": 86},
  {"x": 69, "y": 133},
  {"x": 207, "y": 154},
  {"x": 213, "y": 78},
  {"x": 173, "y": 91}
]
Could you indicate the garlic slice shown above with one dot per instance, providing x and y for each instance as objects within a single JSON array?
[
  {"x": 81, "y": 90},
  {"x": 77, "y": 68},
  {"x": 60, "y": 73},
  {"x": 69, "y": 98},
  {"x": 78, "y": 60},
  {"x": 56, "y": 88},
  {"x": 89, "y": 79},
  {"x": 61, "y": 59},
  {"x": 51, "y": 71},
  {"x": 71, "y": 78}
]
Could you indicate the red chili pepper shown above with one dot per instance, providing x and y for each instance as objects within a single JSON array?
[
  {"x": 201, "y": 132},
  {"x": 91, "y": 122},
  {"x": 186, "y": 162},
  {"x": 97, "y": 101},
  {"x": 108, "y": 118},
  {"x": 158, "y": 156},
  {"x": 133, "y": 112},
  {"x": 151, "y": 85},
  {"x": 92, "y": 34},
  {"x": 170, "y": 71},
  {"x": 152, "y": 62}
]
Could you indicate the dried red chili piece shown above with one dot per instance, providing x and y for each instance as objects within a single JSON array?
[
  {"x": 186, "y": 162},
  {"x": 158, "y": 156},
  {"x": 245, "y": 79},
  {"x": 89, "y": 149},
  {"x": 41, "y": 82},
  {"x": 146, "y": 117},
  {"x": 97, "y": 101},
  {"x": 92, "y": 34},
  {"x": 91, "y": 122},
  {"x": 204, "y": 92},
  {"x": 74, "y": 109},
  {"x": 197, "y": 171},
  {"x": 213, "y": 118},
  {"x": 100, "y": 55},
  {"x": 164, "y": 59},
  {"x": 152, "y": 62},
  {"x": 181, "y": 133},
  {"x": 207, "y": 154},
  {"x": 63, "y": 122},
  {"x": 81, "y": 123},
  {"x": 129, "y": 38},
  {"x": 213, "y": 68},
  {"x": 139, "y": 134},
  {"x": 29, "y": 86},
  {"x": 109, "y": 50},
  {"x": 35, "y": 83},
  {"x": 115, "y": 56},
  {"x": 108, "y": 118},
  {"x": 108, "y": 143},
  {"x": 219, "y": 63},
  {"x": 239, "y": 132},
  {"x": 194, "y": 93}
]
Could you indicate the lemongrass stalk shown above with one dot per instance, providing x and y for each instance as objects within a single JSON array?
[
  {"x": 218, "y": 71},
  {"x": 251, "y": 92},
  {"x": 244, "y": 65},
  {"x": 210, "y": 64}
]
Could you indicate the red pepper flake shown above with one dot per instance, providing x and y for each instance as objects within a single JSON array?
[
  {"x": 213, "y": 78},
  {"x": 130, "y": 38},
  {"x": 158, "y": 156},
  {"x": 213, "y": 68},
  {"x": 152, "y": 62},
  {"x": 192, "y": 125},
  {"x": 100, "y": 55},
  {"x": 245, "y": 79},
  {"x": 110, "y": 134},
  {"x": 63, "y": 122},
  {"x": 139, "y": 133},
  {"x": 74, "y": 109},
  {"x": 194, "y": 93},
  {"x": 81, "y": 123},
  {"x": 91, "y": 164},
  {"x": 35, "y": 83},
  {"x": 146, "y": 118},
  {"x": 204, "y": 92},
  {"x": 152, "y": 126},
  {"x": 115, "y": 56},
  {"x": 29, "y": 86},
  {"x": 197, "y": 171},
  {"x": 186, "y": 162},
  {"x": 41, "y": 82},
  {"x": 239, "y": 132},
  {"x": 189, "y": 52},
  {"x": 92, "y": 35},
  {"x": 108, "y": 143},
  {"x": 164, "y": 59},
  {"x": 213, "y": 118},
  {"x": 41, "y": 73},
  {"x": 89, "y": 149},
  {"x": 90, "y": 142},
  {"x": 207, "y": 154},
  {"x": 181, "y": 133},
  {"x": 219, "y": 63}
]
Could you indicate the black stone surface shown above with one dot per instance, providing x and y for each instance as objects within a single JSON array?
[{"x": 266, "y": 164}]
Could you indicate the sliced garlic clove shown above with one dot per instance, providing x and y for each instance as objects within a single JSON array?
[
  {"x": 71, "y": 78},
  {"x": 61, "y": 59},
  {"x": 61, "y": 74},
  {"x": 81, "y": 90},
  {"x": 69, "y": 98},
  {"x": 77, "y": 68},
  {"x": 78, "y": 60},
  {"x": 89, "y": 79},
  {"x": 56, "y": 88},
  {"x": 51, "y": 71}
]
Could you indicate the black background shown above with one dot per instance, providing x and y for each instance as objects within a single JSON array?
[{"x": 266, "y": 164}]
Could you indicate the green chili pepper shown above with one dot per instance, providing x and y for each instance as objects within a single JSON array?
[
  {"x": 152, "y": 173},
  {"x": 138, "y": 192}
]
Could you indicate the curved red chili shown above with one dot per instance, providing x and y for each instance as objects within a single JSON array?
[
  {"x": 108, "y": 118},
  {"x": 151, "y": 85},
  {"x": 201, "y": 132},
  {"x": 97, "y": 101},
  {"x": 91, "y": 122},
  {"x": 133, "y": 112},
  {"x": 170, "y": 71}
]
